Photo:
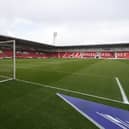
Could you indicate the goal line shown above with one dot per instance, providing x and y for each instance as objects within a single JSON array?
[{"x": 68, "y": 90}]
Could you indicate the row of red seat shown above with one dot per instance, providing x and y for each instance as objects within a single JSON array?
[
  {"x": 8, "y": 54},
  {"x": 94, "y": 55}
]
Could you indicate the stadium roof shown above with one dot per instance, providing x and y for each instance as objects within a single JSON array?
[
  {"x": 23, "y": 41},
  {"x": 38, "y": 44}
]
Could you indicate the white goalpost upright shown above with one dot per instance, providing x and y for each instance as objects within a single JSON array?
[
  {"x": 7, "y": 60},
  {"x": 14, "y": 59}
]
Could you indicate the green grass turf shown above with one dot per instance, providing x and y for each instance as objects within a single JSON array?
[
  {"x": 6, "y": 68},
  {"x": 27, "y": 106}
]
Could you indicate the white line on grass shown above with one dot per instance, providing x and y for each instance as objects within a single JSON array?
[
  {"x": 81, "y": 112},
  {"x": 123, "y": 94},
  {"x": 5, "y": 80},
  {"x": 67, "y": 90}
]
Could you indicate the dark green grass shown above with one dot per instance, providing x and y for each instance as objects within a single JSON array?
[
  {"x": 26, "y": 106},
  {"x": 6, "y": 68},
  {"x": 90, "y": 76}
]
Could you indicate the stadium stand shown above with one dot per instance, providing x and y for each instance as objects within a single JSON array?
[{"x": 30, "y": 49}]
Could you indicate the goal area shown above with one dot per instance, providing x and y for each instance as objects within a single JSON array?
[{"x": 7, "y": 60}]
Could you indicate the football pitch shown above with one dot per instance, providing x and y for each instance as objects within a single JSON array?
[{"x": 30, "y": 101}]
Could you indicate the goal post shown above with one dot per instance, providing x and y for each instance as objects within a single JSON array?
[
  {"x": 14, "y": 59},
  {"x": 7, "y": 60}
]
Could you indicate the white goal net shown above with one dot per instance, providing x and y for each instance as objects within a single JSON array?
[{"x": 7, "y": 60}]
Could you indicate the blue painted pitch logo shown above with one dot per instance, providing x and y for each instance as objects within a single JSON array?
[{"x": 104, "y": 117}]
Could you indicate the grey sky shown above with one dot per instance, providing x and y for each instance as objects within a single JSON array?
[{"x": 76, "y": 21}]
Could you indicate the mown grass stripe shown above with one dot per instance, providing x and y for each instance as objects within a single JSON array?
[{"x": 68, "y": 90}]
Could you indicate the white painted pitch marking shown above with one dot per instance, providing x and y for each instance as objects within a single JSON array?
[
  {"x": 123, "y": 94},
  {"x": 82, "y": 113},
  {"x": 68, "y": 90},
  {"x": 5, "y": 80}
]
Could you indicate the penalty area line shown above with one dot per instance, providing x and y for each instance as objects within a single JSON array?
[
  {"x": 68, "y": 90},
  {"x": 123, "y": 94}
]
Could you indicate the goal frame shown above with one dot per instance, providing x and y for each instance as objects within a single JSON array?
[{"x": 13, "y": 57}]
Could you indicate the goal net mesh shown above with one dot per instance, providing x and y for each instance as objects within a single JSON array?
[{"x": 7, "y": 60}]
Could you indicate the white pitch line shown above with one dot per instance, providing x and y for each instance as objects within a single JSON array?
[
  {"x": 123, "y": 94},
  {"x": 5, "y": 80},
  {"x": 81, "y": 112},
  {"x": 67, "y": 90}
]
